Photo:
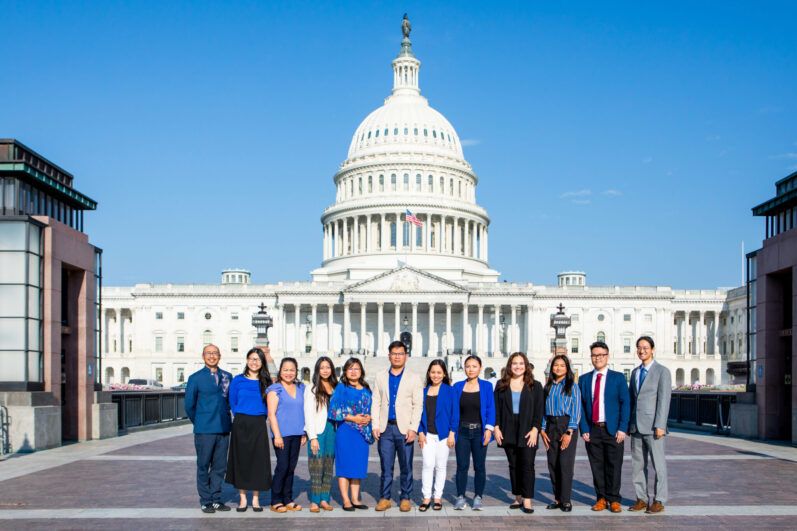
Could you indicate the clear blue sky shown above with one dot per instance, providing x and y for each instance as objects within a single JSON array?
[{"x": 625, "y": 140}]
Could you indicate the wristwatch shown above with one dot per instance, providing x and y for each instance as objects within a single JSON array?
[{"x": 569, "y": 432}]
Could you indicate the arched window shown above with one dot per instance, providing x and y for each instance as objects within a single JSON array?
[
  {"x": 370, "y": 184},
  {"x": 377, "y": 134},
  {"x": 415, "y": 131},
  {"x": 406, "y": 182},
  {"x": 207, "y": 338},
  {"x": 395, "y": 131},
  {"x": 451, "y": 187},
  {"x": 109, "y": 375},
  {"x": 709, "y": 376},
  {"x": 418, "y": 182},
  {"x": 679, "y": 377},
  {"x": 381, "y": 183},
  {"x": 425, "y": 132},
  {"x": 393, "y": 234},
  {"x": 360, "y": 185},
  {"x": 385, "y": 132},
  {"x": 442, "y": 185},
  {"x": 434, "y": 133},
  {"x": 459, "y": 189},
  {"x": 125, "y": 374},
  {"x": 431, "y": 184},
  {"x": 694, "y": 376},
  {"x": 393, "y": 182},
  {"x": 369, "y": 134},
  {"x": 406, "y": 131},
  {"x": 601, "y": 337}
]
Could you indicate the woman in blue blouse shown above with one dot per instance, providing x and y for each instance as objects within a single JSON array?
[
  {"x": 285, "y": 401},
  {"x": 248, "y": 460},
  {"x": 436, "y": 432},
  {"x": 350, "y": 407},
  {"x": 476, "y": 403},
  {"x": 560, "y": 429}
]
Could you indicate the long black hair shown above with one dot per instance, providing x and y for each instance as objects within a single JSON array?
[
  {"x": 321, "y": 395},
  {"x": 263, "y": 376},
  {"x": 345, "y": 380},
  {"x": 570, "y": 378},
  {"x": 442, "y": 365}
]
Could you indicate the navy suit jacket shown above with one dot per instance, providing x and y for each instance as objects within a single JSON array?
[
  {"x": 446, "y": 414},
  {"x": 616, "y": 402},
  {"x": 206, "y": 403}
]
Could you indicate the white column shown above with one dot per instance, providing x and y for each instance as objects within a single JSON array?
[
  {"x": 397, "y": 319},
  {"x": 121, "y": 332},
  {"x": 380, "y": 325},
  {"x": 457, "y": 237},
  {"x": 282, "y": 326},
  {"x": 443, "y": 235},
  {"x": 383, "y": 232},
  {"x": 363, "y": 335},
  {"x": 330, "y": 319},
  {"x": 297, "y": 323},
  {"x": 496, "y": 329},
  {"x": 427, "y": 235},
  {"x": 314, "y": 323},
  {"x": 466, "y": 245},
  {"x": 399, "y": 233},
  {"x": 527, "y": 342},
  {"x": 486, "y": 243},
  {"x": 346, "y": 326},
  {"x": 511, "y": 343},
  {"x": 449, "y": 336},
  {"x": 480, "y": 331},
  {"x": 701, "y": 334},
  {"x": 345, "y": 236},
  {"x": 369, "y": 238},
  {"x": 414, "y": 324},
  {"x": 716, "y": 334},
  {"x": 465, "y": 327},
  {"x": 432, "y": 350},
  {"x": 355, "y": 248}
]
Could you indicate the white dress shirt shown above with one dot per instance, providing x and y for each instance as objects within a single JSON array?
[
  {"x": 601, "y": 408},
  {"x": 639, "y": 372}
]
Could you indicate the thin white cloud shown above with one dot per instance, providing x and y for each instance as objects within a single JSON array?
[
  {"x": 581, "y": 201},
  {"x": 576, "y": 193},
  {"x": 647, "y": 160},
  {"x": 470, "y": 142},
  {"x": 612, "y": 193}
]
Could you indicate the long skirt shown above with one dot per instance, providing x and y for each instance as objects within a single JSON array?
[
  {"x": 249, "y": 459},
  {"x": 351, "y": 453},
  {"x": 321, "y": 464}
]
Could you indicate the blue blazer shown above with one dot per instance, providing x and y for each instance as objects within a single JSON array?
[
  {"x": 206, "y": 403},
  {"x": 616, "y": 402},
  {"x": 446, "y": 414},
  {"x": 486, "y": 398}
]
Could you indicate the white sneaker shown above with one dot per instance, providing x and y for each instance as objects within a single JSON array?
[
  {"x": 477, "y": 503},
  {"x": 459, "y": 504}
]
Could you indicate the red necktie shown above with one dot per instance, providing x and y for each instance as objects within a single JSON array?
[{"x": 596, "y": 399}]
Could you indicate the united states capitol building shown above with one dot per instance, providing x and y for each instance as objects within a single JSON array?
[{"x": 406, "y": 250}]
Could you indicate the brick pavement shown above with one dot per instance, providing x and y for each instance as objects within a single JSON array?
[{"x": 158, "y": 478}]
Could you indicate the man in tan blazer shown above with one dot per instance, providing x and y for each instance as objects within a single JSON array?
[{"x": 396, "y": 411}]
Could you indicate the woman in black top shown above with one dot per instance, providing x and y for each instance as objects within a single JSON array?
[{"x": 519, "y": 407}]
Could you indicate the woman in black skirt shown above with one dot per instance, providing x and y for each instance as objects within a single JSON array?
[{"x": 249, "y": 461}]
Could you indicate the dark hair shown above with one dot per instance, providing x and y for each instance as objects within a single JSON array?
[
  {"x": 472, "y": 357},
  {"x": 321, "y": 395},
  {"x": 442, "y": 365},
  {"x": 506, "y": 375},
  {"x": 262, "y": 375},
  {"x": 570, "y": 378},
  {"x": 599, "y": 344},
  {"x": 283, "y": 362},
  {"x": 345, "y": 380},
  {"x": 397, "y": 344},
  {"x": 648, "y": 339}
]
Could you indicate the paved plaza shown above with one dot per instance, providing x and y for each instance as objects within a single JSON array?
[{"x": 146, "y": 481}]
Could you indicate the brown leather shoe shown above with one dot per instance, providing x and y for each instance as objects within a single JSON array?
[
  {"x": 383, "y": 505},
  {"x": 655, "y": 507},
  {"x": 615, "y": 507},
  {"x": 600, "y": 506},
  {"x": 405, "y": 506},
  {"x": 640, "y": 505}
]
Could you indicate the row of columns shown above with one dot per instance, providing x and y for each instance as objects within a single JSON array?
[
  {"x": 359, "y": 185},
  {"x": 440, "y": 233},
  {"x": 686, "y": 335},
  {"x": 119, "y": 319}
]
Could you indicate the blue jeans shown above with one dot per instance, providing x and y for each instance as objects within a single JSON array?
[
  {"x": 469, "y": 442},
  {"x": 391, "y": 444},
  {"x": 211, "y": 464}
]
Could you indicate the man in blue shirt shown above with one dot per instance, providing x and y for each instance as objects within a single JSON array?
[
  {"x": 396, "y": 410},
  {"x": 207, "y": 406}
]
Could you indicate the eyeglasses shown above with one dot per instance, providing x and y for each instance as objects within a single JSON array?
[
  {"x": 598, "y": 355},
  {"x": 398, "y": 353}
]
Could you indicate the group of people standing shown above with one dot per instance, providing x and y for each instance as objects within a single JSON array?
[{"x": 338, "y": 421}]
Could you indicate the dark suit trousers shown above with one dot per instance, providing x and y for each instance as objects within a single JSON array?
[
  {"x": 560, "y": 462},
  {"x": 521, "y": 469},
  {"x": 606, "y": 461},
  {"x": 211, "y": 464}
]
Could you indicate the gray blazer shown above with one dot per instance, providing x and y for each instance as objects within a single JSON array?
[{"x": 650, "y": 405}]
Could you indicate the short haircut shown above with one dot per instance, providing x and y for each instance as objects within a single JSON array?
[
  {"x": 599, "y": 344},
  {"x": 397, "y": 344},
  {"x": 648, "y": 339}
]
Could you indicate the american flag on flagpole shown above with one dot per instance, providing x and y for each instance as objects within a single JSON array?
[{"x": 410, "y": 218}]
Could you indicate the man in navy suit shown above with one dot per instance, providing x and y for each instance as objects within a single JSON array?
[
  {"x": 207, "y": 406},
  {"x": 604, "y": 424}
]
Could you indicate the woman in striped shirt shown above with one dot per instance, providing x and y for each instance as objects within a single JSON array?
[{"x": 560, "y": 429}]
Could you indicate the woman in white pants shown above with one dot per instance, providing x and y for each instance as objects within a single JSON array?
[{"x": 436, "y": 433}]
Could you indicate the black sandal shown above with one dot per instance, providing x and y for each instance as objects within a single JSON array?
[
  {"x": 424, "y": 507},
  {"x": 437, "y": 506}
]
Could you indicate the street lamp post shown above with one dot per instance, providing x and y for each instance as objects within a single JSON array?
[
  {"x": 308, "y": 340},
  {"x": 560, "y": 323},
  {"x": 503, "y": 336},
  {"x": 262, "y": 321}
]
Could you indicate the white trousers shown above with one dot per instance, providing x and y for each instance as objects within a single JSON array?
[{"x": 435, "y": 459}]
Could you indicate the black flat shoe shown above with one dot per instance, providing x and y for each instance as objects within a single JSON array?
[
  {"x": 526, "y": 510},
  {"x": 360, "y": 506},
  {"x": 567, "y": 507},
  {"x": 242, "y": 509},
  {"x": 220, "y": 507},
  {"x": 424, "y": 507},
  {"x": 350, "y": 508},
  {"x": 437, "y": 506},
  {"x": 554, "y": 505},
  {"x": 515, "y": 505},
  {"x": 257, "y": 509}
]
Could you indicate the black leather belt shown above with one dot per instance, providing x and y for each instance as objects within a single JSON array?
[
  {"x": 393, "y": 422},
  {"x": 599, "y": 424},
  {"x": 470, "y": 426}
]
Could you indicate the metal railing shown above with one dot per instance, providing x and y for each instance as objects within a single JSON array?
[
  {"x": 143, "y": 408},
  {"x": 702, "y": 409}
]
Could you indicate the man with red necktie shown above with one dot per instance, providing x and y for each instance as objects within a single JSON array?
[{"x": 604, "y": 424}]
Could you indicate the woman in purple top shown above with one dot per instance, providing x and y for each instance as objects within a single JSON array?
[
  {"x": 248, "y": 460},
  {"x": 285, "y": 402}
]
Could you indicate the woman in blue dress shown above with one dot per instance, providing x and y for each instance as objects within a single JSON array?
[{"x": 350, "y": 407}]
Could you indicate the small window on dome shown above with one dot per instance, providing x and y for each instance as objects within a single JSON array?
[
  {"x": 370, "y": 184},
  {"x": 449, "y": 138},
  {"x": 442, "y": 185},
  {"x": 431, "y": 184},
  {"x": 385, "y": 133},
  {"x": 406, "y": 182},
  {"x": 425, "y": 132},
  {"x": 369, "y": 134},
  {"x": 416, "y": 131},
  {"x": 406, "y": 131},
  {"x": 395, "y": 131},
  {"x": 434, "y": 133},
  {"x": 377, "y": 133},
  {"x": 418, "y": 182},
  {"x": 381, "y": 183},
  {"x": 393, "y": 182}
]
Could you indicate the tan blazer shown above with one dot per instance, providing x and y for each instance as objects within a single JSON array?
[{"x": 409, "y": 402}]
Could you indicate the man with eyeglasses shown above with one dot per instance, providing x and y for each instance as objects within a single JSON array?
[
  {"x": 606, "y": 407},
  {"x": 396, "y": 408},
  {"x": 650, "y": 388}
]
